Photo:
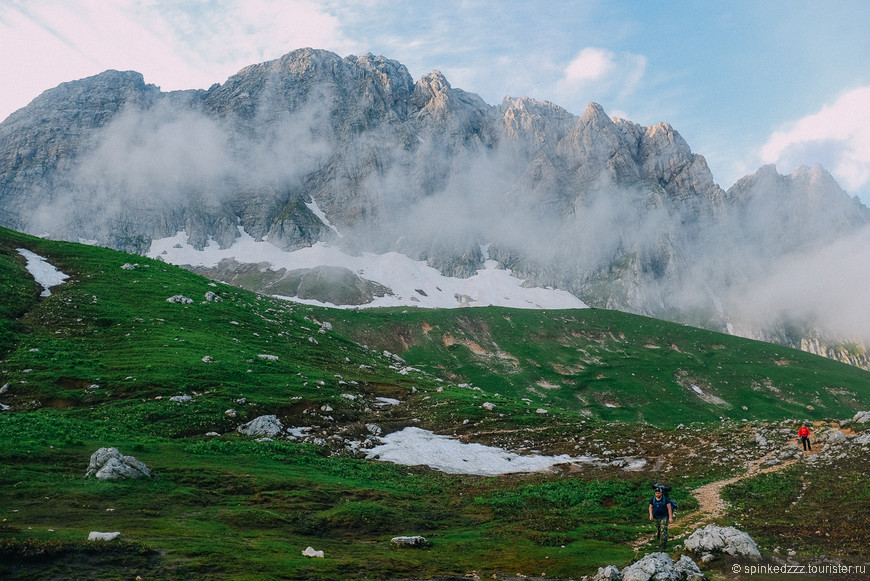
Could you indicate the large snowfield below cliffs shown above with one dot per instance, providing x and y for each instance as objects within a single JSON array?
[{"x": 491, "y": 286}]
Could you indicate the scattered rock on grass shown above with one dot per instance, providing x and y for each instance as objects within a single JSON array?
[
  {"x": 110, "y": 464},
  {"x": 95, "y": 536},
  {"x": 310, "y": 552},
  {"x": 416, "y": 541},
  {"x": 262, "y": 426}
]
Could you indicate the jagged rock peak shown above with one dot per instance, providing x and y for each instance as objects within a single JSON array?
[
  {"x": 434, "y": 82},
  {"x": 660, "y": 144},
  {"x": 309, "y": 63},
  {"x": 529, "y": 106},
  {"x": 392, "y": 72},
  {"x": 526, "y": 116},
  {"x": 110, "y": 85},
  {"x": 297, "y": 62},
  {"x": 434, "y": 96},
  {"x": 816, "y": 175},
  {"x": 803, "y": 175},
  {"x": 432, "y": 92},
  {"x": 665, "y": 133},
  {"x": 595, "y": 116},
  {"x": 379, "y": 88}
]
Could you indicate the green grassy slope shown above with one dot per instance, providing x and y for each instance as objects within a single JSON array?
[
  {"x": 613, "y": 366},
  {"x": 95, "y": 364}
]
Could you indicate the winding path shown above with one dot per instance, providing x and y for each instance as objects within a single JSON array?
[{"x": 711, "y": 505}]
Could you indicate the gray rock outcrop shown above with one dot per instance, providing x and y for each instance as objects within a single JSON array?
[
  {"x": 181, "y": 299},
  {"x": 655, "y": 567},
  {"x": 714, "y": 539},
  {"x": 415, "y": 541},
  {"x": 833, "y": 437},
  {"x": 608, "y": 573},
  {"x": 110, "y": 464},
  {"x": 98, "y": 536},
  {"x": 269, "y": 426}
]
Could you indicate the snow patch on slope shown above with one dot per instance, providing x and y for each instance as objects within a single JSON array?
[
  {"x": 43, "y": 272},
  {"x": 413, "y": 283},
  {"x": 415, "y": 447}
]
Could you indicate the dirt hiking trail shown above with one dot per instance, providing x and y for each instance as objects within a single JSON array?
[{"x": 711, "y": 505}]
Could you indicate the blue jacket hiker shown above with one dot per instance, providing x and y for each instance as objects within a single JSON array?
[{"x": 662, "y": 512}]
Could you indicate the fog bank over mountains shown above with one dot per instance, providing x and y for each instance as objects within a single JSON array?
[{"x": 353, "y": 153}]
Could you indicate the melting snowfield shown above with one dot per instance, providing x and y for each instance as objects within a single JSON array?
[
  {"x": 406, "y": 277},
  {"x": 415, "y": 447},
  {"x": 43, "y": 272}
]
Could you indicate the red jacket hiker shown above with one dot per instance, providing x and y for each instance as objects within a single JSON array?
[{"x": 804, "y": 435}]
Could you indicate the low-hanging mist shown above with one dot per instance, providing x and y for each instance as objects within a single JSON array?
[{"x": 621, "y": 215}]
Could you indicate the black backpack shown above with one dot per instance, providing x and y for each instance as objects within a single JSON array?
[{"x": 665, "y": 490}]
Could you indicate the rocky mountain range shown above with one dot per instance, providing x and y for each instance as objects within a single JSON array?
[{"x": 315, "y": 148}]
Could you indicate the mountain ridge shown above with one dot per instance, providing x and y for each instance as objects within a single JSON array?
[{"x": 621, "y": 215}]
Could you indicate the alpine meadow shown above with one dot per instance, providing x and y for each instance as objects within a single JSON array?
[{"x": 326, "y": 322}]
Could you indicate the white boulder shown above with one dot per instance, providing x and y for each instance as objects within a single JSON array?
[
  {"x": 609, "y": 573},
  {"x": 310, "y": 552},
  {"x": 653, "y": 567},
  {"x": 179, "y": 299},
  {"x": 96, "y": 536},
  {"x": 262, "y": 426},
  {"x": 415, "y": 541},
  {"x": 110, "y": 464},
  {"x": 689, "y": 569},
  {"x": 834, "y": 437},
  {"x": 728, "y": 540}
]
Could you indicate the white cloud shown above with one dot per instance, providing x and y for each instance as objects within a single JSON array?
[
  {"x": 600, "y": 72},
  {"x": 838, "y": 137},
  {"x": 591, "y": 65}
]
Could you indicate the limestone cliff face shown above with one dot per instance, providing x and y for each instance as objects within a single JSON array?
[
  {"x": 42, "y": 142},
  {"x": 623, "y": 215}
]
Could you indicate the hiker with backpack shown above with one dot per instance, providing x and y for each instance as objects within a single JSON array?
[{"x": 661, "y": 510}]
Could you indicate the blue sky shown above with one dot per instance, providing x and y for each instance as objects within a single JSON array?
[{"x": 745, "y": 82}]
